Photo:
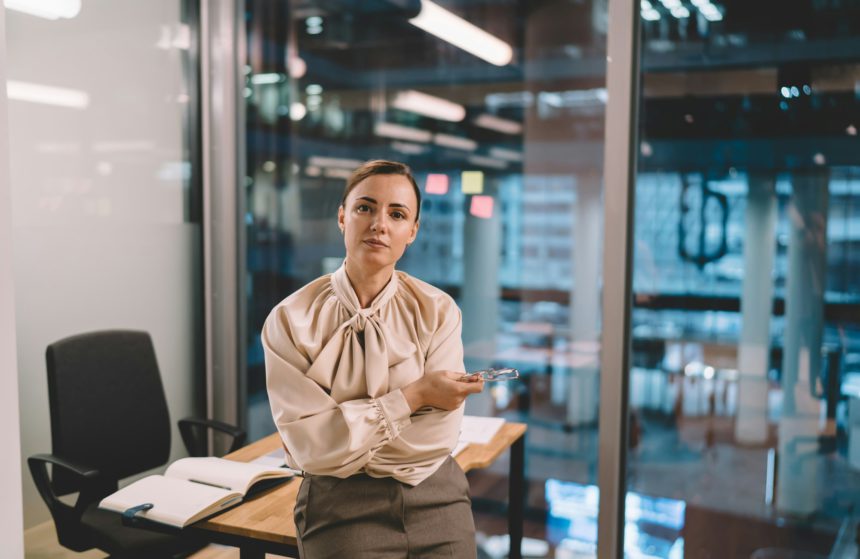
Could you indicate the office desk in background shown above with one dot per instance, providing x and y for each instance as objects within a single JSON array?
[{"x": 264, "y": 522}]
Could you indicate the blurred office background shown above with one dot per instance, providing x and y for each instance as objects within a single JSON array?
[{"x": 744, "y": 380}]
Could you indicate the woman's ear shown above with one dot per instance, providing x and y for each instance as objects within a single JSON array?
[
  {"x": 340, "y": 219},
  {"x": 415, "y": 227}
]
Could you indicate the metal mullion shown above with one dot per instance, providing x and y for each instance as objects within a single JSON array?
[
  {"x": 222, "y": 149},
  {"x": 620, "y": 156}
]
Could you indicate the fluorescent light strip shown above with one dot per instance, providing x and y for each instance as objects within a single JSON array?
[
  {"x": 262, "y": 79},
  {"x": 47, "y": 95},
  {"x": 450, "y": 27},
  {"x": 47, "y": 9},
  {"x": 456, "y": 142},
  {"x": 507, "y": 154},
  {"x": 502, "y": 125},
  {"x": 484, "y": 161},
  {"x": 399, "y": 132},
  {"x": 407, "y": 148},
  {"x": 710, "y": 12},
  {"x": 334, "y": 173},
  {"x": 319, "y": 161},
  {"x": 429, "y": 105}
]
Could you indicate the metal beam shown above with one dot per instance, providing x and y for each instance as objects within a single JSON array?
[
  {"x": 222, "y": 53},
  {"x": 622, "y": 79}
]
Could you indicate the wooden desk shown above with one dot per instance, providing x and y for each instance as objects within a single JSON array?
[{"x": 264, "y": 522}]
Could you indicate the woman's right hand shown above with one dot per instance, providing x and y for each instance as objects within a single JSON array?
[{"x": 445, "y": 390}]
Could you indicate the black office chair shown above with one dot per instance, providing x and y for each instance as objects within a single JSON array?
[{"x": 109, "y": 420}]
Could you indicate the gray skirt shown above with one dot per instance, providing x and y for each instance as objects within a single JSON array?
[{"x": 381, "y": 518}]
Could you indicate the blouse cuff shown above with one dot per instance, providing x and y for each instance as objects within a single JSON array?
[{"x": 395, "y": 412}]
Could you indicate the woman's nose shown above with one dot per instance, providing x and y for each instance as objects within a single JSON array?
[{"x": 379, "y": 222}]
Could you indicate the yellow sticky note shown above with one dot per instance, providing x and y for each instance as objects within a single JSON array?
[{"x": 472, "y": 182}]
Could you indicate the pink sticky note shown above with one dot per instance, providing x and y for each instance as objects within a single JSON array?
[
  {"x": 482, "y": 206},
  {"x": 436, "y": 184}
]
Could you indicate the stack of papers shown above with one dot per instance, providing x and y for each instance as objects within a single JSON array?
[{"x": 478, "y": 430}]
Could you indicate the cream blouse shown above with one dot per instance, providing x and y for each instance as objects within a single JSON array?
[{"x": 334, "y": 373}]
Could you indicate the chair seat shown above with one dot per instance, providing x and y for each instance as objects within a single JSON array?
[{"x": 109, "y": 535}]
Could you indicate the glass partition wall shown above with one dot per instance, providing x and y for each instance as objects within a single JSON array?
[
  {"x": 746, "y": 324},
  {"x": 746, "y": 244},
  {"x": 498, "y": 107}
]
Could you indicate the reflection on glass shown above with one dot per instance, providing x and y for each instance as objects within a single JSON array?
[
  {"x": 653, "y": 525},
  {"x": 498, "y": 107},
  {"x": 746, "y": 324}
]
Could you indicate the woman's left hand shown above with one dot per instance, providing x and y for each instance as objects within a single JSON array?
[{"x": 446, "y": 390}]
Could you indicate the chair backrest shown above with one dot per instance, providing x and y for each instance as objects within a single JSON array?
[{"x": 108, "y": 409}]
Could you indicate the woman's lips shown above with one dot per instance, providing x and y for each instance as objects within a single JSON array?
[{"x": 375, "y": 244}]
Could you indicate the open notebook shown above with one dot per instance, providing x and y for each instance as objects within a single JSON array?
[{"x": 191, "y": 489}]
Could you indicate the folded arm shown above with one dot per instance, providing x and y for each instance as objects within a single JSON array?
[{"x": 325, "y": 437}]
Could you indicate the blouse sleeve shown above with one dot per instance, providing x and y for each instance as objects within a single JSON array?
[
  {"x": 441, "y": 428},
  {"x": 445, "y": 352},
  {"x": 322, "y": 436}
]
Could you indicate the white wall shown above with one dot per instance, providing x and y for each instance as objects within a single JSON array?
[
  {"x": 11, "y": 521},
  {"x": 99, "y": 199}
]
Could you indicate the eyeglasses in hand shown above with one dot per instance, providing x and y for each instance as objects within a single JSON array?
[{"x": 492, "y": 375}]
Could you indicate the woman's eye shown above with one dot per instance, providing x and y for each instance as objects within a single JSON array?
[
  {"x": 398, "y": 215},
  {"x": 363, "y": 208}
]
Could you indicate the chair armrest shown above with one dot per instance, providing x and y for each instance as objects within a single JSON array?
[
  {"x": 38, "y": 464},
  {"x": 193, "y": 432}
]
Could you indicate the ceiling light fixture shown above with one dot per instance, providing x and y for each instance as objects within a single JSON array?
[
  {"x": 450, "y": 27},
  {"x": 408, "y": 148},
  {"x": 47, "y": 9},
  {"x": 680, "y": 12},
  {"x": 339, "y": 162},
  {"x": 400, "y": 132},
  {"x": 498, "y": 124},
  {"x": 490, "y": 162},
  {"x": 429, "y": 105},
  {"x": 506, "y": 154},
  {"x": 263, "y": 79},
  {"x": 455, "y": 142}
]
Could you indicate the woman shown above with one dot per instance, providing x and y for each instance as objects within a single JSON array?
[{"x": 364, "y": 371}]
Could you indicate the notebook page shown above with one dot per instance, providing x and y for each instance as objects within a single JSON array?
[
  {"x": 238, "y": 476},
  {"x": 175, "y": 501},
  {"x": 478, "y": 429}
]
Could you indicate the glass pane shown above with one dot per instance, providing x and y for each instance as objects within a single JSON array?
[
  {"x": 746, "y": 342},
  {"x": 507, "y": 145},
  {"x": 105, "y": 205}
]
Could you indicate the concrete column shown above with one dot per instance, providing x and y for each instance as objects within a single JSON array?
[
  {"x": 481, "y": 292},
  {"x": 797, "y": 490},
  {"x": 583, "y": 388},
  {"x": 756, "y": 307},
  {"x": 482, "y": 242}
]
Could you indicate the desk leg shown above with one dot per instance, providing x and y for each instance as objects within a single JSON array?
[{"x": 516, "y": 496}]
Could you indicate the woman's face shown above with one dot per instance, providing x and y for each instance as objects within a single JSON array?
[{"x": 378, "y": 220}]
